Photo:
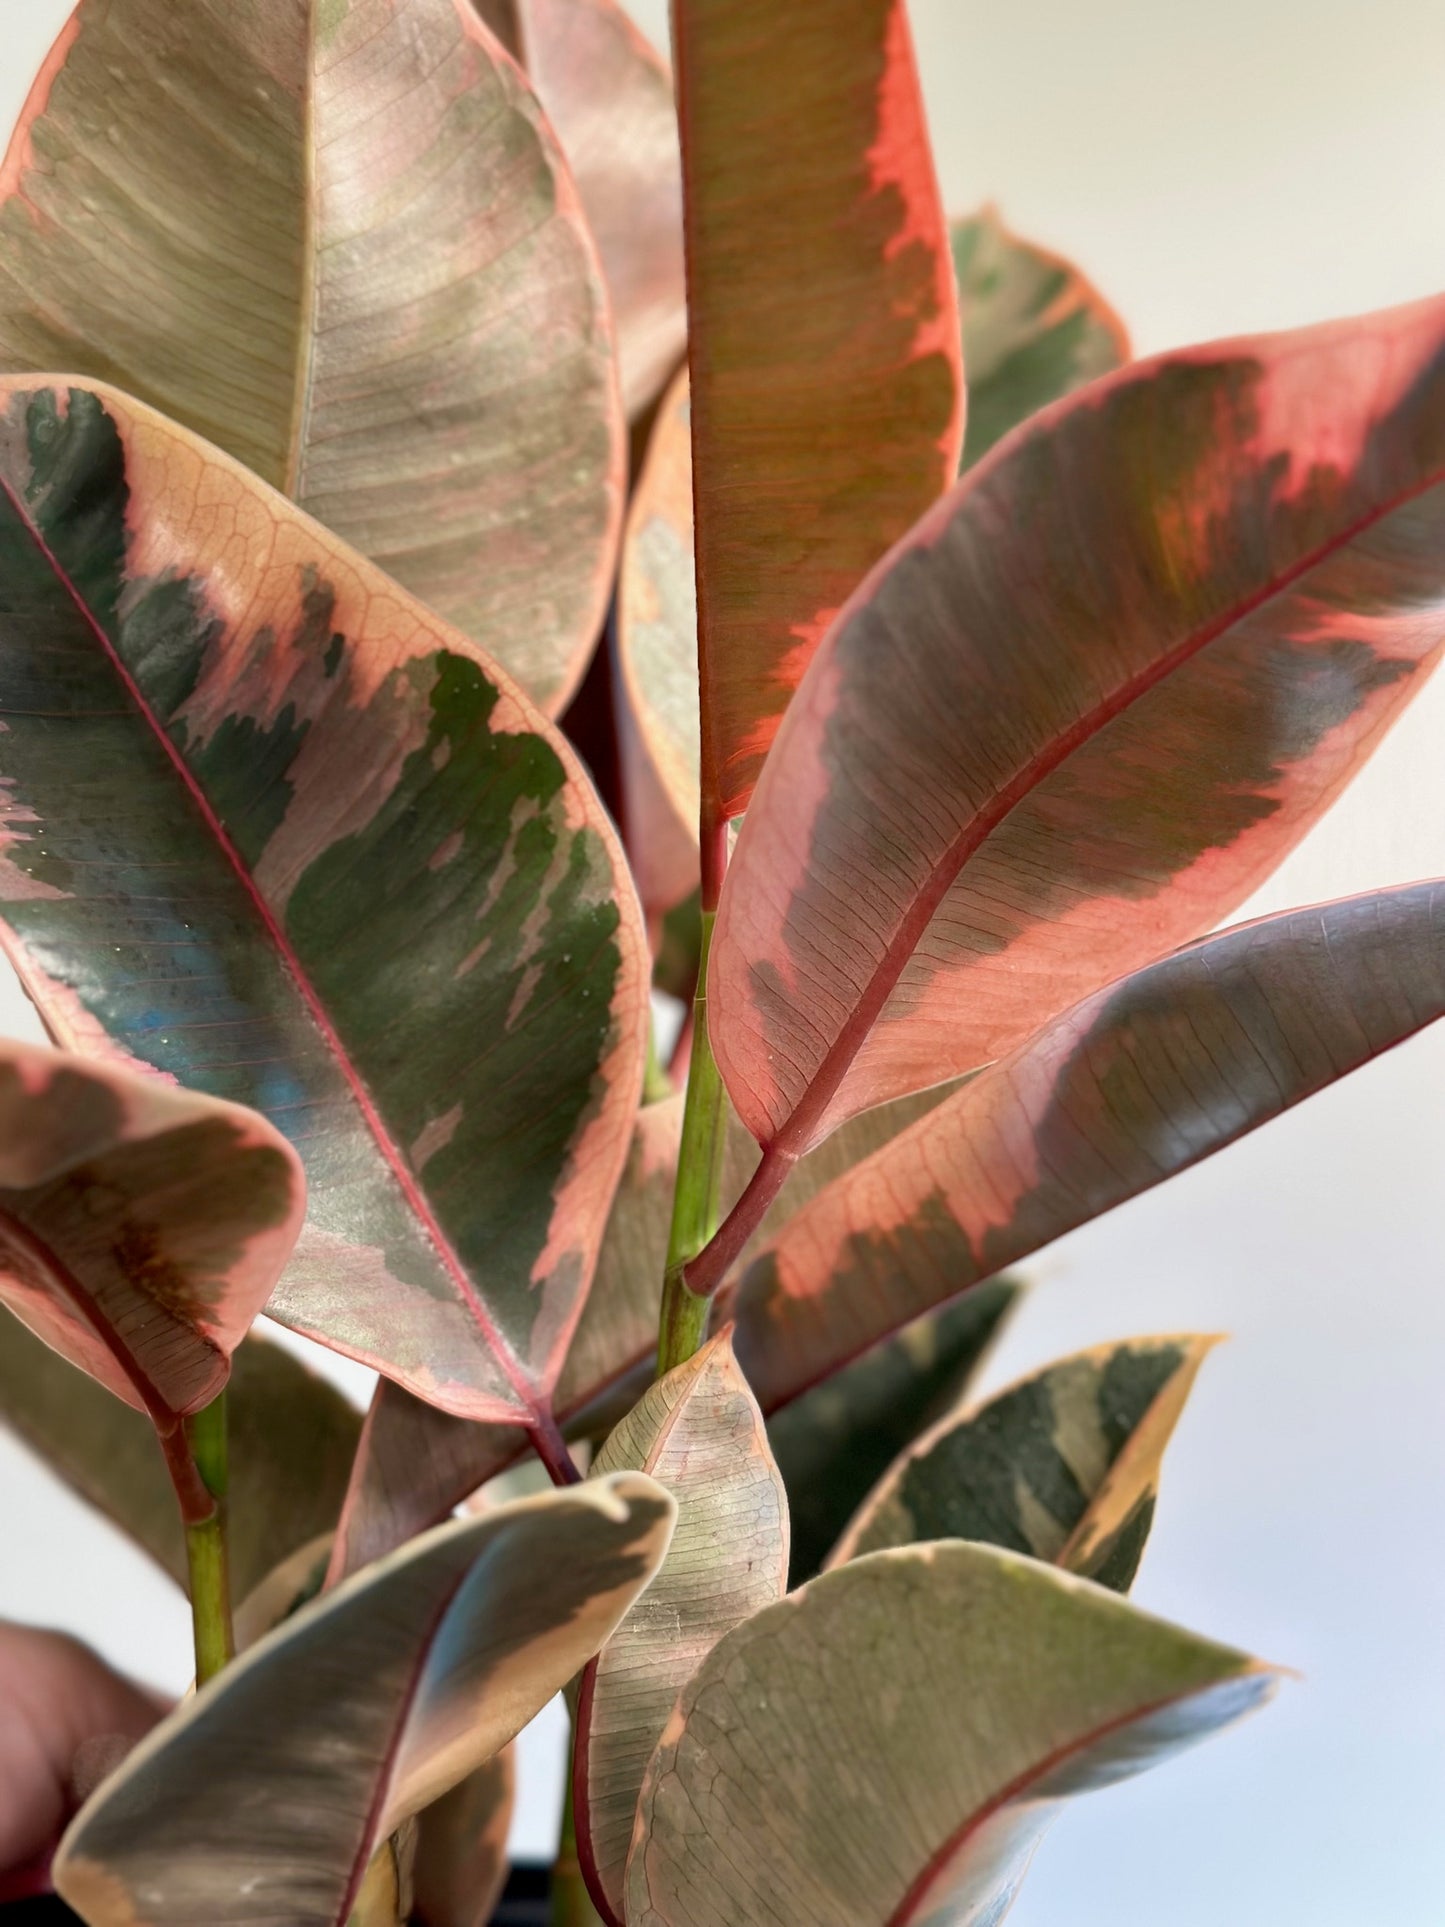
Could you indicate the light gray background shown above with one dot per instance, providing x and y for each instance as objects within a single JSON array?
[{"x": 1237, "y": 165}]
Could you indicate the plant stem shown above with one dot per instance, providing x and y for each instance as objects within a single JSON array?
[
  {"x": 206, "y": 1549},
  {"x": 715, "y": 1260},
  {"x": 551, "y": 1449},
  {"x": 571, "y": 1903},
  {"x": 656, "y": 1084},
  {"x": 696, "y": 1201}
]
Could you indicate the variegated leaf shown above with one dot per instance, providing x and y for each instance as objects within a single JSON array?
[
  {"x": 267, "y": 1794},
  {"x": 415, "y": 1464},
  {"x": 887, "y": 1745},
  {"x": 1063, "y": 1466},
  {"x": 608, "y": 95},
  {"x": 657, "y": 656},
  {"x": 290, "y": 1585},
  {"x": 142, "y": 1227},
  {"x": 276, "y": 831},
  {"x": 699, "y": 1433},
  {"x": 1136, "y": 1083},
  {"x": 461, "y": 1848},
  {"x": 1033, "y": 328},
  {"x": 834, "y": 1443},
  {"x": 1083, "y": 711},
  {"x": 823, "y": 338},
  {"x": 400, "y": 321},
  {"x": 292, "y": 1441}
]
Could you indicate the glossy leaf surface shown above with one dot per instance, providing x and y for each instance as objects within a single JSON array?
[
  {"x": 1132, "y": 1085},
  {"x": 1084, "y": 710},
  {"x": 415, "y": 1463},
  {"x": 1063, "y": 1466},
  {"x": 836, "y": 1442},
  {"x": 826, "y": 386},
  {"x": 608, "y": 96},
  {"x": 886, "y": 1745},
  {"x": 279, "y": 833},
  {"x": 699, "y": 1433},
  {"x": 1033, "y": 328},
  {"x": 265, "y": 1796},
  {"x": 292, "y": 1440},
  {"x": 142, "y": 1227},
  {"x": 401, "y": 322}
]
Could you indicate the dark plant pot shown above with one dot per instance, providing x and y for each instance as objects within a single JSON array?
[{"x": 524, "y": 1904}]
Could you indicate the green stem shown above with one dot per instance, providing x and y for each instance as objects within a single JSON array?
[
  {"x": 697, "y": 1200},
  {"x": 206, "y": 1547},
  {"x": 656, "y": 1084}
]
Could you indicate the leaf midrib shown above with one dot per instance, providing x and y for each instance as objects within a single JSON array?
[
  {"x": 793, "y": 1136},
  {"x": 906, "y": 1915},
  {"x": 84, "y": 1302},
  {"x": 531, "y": 1406}
]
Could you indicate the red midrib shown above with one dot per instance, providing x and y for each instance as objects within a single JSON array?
[
  {"x": 367, "y": 1845},
  {"x": 791, "y": 1139},
  {"x": 410, "y": 1190},
  {"x": 161, "y": 1413},
  {"x": 904, "y": 1914}
]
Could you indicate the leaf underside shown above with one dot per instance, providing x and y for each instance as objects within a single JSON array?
[
  {"x": 886, "y": 1745},
  {"x": 266, "y": 1795}
]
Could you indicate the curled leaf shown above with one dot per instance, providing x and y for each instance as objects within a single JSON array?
[
  {"x": 269, "y": 1792},
  {"x": 699, "y": 1433},
  {"x": 887, "y": 1744},
  {"x": 142, "y": 1227},
  {"x": 292, "y": 1441},
  {"x": 1063, "y": 1466}
]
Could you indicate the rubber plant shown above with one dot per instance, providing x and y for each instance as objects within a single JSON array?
[{"x": 945, "y": 722}]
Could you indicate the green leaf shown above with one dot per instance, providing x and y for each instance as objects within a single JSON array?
[
  {"x": 415, "y": 1464},
  {"x": 1033, "y": 328},
  {"x": 292, "y": 1441},
  {"x": 1063, "y": 1466},
  {"x": 888, "y": 1744},
  {"x": 142, "y": 1227},
  {"x": 826, "y": 386},
  {"x": 608, "y": 96},
  {"x": 280, "y": 834},
  {"x": 266, "y": 1795},
  {"x": 1132, "y": 1085},
  {"x": 835, "y": 1442},
  {"x": 699, "y": 1433},
  {"x": 461, "y": 1849},
  {"x": 1083, "y": 711},
  {"x": 401, "y": 321}
]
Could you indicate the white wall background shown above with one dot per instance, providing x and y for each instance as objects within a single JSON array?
[{"x": 1224, "y": 167}]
